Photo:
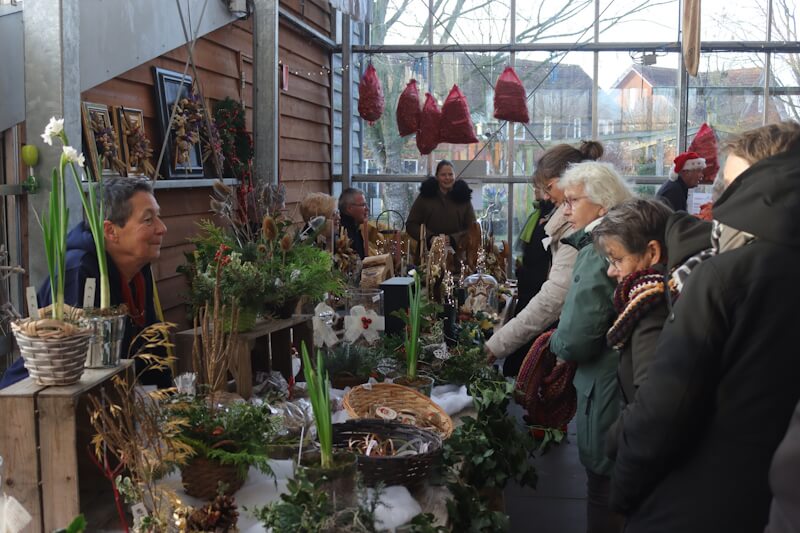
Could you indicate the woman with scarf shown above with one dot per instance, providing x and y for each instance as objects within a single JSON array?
[{"x": 631, "y": 237}]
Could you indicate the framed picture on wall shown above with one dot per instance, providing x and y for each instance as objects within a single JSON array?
[
  {"x": 182, "y": 157},
  {"x": 101, "y": 140},
  {"x": 136, "y": 149}
]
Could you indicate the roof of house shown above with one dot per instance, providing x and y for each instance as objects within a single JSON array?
[{"x": 668, "y": 77}]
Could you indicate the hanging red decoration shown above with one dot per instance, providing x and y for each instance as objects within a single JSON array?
[
  {"x": 408, "y": 110},
  {"x": 370, "y": 96},
  {"x": 705, "y": 145},
  {"x": 509, "y": 98},
  {"x": 429, "y": 120},
  {"x": 456, "y": 126}
]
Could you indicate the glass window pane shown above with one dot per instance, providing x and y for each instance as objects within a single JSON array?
[
  {"x": 785, "y": 88},
  {"x": 475, "y": 74},
  {"x": 472, "y": 21},
  {"x": 399, "y": 22},
  {"x": 727, "y": 93},
  {"x": 559, "y": 88},
  {"x": 639, "y": 21},
  {"x": 555, "y": 21},
  {"x": 734, "y": 20},
  {"x": 638, "y": 113},
  {"x": 385, "y": 152},
  {"x": 784, "y": 20}
]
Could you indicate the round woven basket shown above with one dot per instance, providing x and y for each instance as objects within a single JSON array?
[
  {"x": 361, "y": 402},
  {"x": 53, "y": 351},
  {"x": 408, "y": 470},
  {"x": 201, "y": 476}
]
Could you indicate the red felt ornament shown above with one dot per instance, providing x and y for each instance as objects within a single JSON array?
[
  {"x": 705, "y": 145},
  {"x": 509, "y": 98},
  {"x": 456, "y": 126},
  {"x": 408, "y": 110},
  {"x": 370, "y": 96},
  {"x": 429, "y": 119}
]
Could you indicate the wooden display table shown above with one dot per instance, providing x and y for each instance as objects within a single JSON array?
[
  {"x": 44, "y": 441},
  {"x": 266, "y": 347}
]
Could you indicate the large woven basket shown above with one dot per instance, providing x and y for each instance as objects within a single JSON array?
[
  {"x": 53, "y": 351},
  {"x": 361, "y": 402},
  {"x": 406, "y": 470},
  {"x": 201, "y": 476}
]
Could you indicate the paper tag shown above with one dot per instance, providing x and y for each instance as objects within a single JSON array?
[
  {"x": 139, "y": 512},
  {"x": 15, "y": 517},
  {"x": 88, "y": 292},
  {"x": 546, "y": 242},
  {"x": 33, "y": 304},
  {"x": 376, "y": 298}
]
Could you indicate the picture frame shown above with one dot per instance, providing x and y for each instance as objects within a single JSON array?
[
  {"x": 130, "y": 125},
  {"x": 170, "y": 86},
  {"x": 100, "y": 134}
]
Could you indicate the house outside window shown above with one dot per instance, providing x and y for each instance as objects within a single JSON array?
[{"x": 547, "y": 128}]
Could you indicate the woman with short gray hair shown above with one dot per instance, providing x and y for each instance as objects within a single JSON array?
[
  {"x": 591, "y": 190},
  {"x": 631, "y": 238}
]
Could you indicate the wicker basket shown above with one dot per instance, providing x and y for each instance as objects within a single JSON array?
[
  {"x": 361, "y": 402},
  {"x": 53, "y": 351},
  {"x": 201, "y": 476},
  {"x": 390, "y": 470}
]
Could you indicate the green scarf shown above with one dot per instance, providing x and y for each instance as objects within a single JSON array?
[{"x": 530, "y": 225}]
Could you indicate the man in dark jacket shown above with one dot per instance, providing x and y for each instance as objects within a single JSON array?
[
  {"x": 353, "y": 212},
  {"x": 686, "y": 173},
  {"x": 695, "y": 451},
  {"x": 133, "y": 234}
]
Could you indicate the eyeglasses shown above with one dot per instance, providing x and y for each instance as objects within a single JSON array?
[
  {"x": 571, "y": 201},
  {"x": 359, "y": 205},
  {"x": 615, "y": 262}
]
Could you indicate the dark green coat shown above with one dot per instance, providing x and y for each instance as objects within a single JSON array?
[
  {"x": 450, "y": 213},
  {"x": 587, "y": 314}
]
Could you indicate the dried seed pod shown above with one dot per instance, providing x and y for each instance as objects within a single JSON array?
[
  {"x": 269, "y": 228},
  {"x": 286, "y": 243}
]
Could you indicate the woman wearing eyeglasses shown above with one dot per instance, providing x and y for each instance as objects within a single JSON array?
[
  {"x": 514, "y": 339},
  {"x": 632, "y": 237},
  {"x": 591, "y": 189}
]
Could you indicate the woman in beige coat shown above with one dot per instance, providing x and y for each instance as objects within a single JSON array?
[{"x": 544, "y": 308}]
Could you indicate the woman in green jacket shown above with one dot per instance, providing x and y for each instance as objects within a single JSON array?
[{"x": 591, "y": 189}]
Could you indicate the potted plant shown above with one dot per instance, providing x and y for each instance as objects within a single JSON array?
[
  {"x": 336, "y": 470},
  {"x": 226, "y": 441},
  {"x": 423, "y": 384},
  {"x": 107, "y": 324},
  {"x": 54, "y": 348}
]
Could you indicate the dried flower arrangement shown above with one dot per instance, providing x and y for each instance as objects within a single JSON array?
[
  {"x": 236, "y": 142},
  {"x": 106, "y": 142},
  {"x": 140, "y": 153},
  {"x": 186, "y": 126}
]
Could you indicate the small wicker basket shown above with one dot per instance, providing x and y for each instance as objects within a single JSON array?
[
  {"x": 53, "y": 351},
  {"x": 361, "y": 402},
  {"x": 201, "y": 476},
  {"x": 407, "y": 470}
]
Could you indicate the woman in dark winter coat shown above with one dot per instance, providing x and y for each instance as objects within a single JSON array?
[
  {"x": 631, "y": 237},
  {"x": 443, "y": 205},
  {"x": 695, "y": 452}
]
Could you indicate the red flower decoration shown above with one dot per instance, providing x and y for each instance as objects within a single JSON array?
[
  {"x": 219, "y": 430},
  {"x": 366, "y": 322}
]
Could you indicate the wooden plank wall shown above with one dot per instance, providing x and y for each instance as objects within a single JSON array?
[{"x": 223, "y": 58}]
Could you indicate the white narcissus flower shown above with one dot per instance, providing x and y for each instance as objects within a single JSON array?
[
  {"x": 412, "y": 273},
  {"x": 72, "y": 155},
  {"x": 53, "y": 129}
]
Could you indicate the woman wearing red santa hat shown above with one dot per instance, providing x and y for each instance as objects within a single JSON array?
[{"x": 686, "y": 173}]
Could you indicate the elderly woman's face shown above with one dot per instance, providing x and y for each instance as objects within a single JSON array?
[
  {"x": 622, "y": 262},
  {"x": 580, "y": 209},
  {"x": 446, "y": 178}
]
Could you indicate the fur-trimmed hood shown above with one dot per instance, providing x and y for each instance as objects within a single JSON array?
[{"x": 460, "y": 193}]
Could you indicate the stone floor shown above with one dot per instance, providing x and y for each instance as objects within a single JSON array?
[{"x": 558, "y": 505}]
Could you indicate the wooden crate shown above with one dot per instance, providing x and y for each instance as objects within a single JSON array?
[
  {"x": 44, "y": 441},
  {"x": 266, "y": 347}
]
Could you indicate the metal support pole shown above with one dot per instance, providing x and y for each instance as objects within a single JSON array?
[
  {"x": 595, "y": 71},
  {"x": 767, "y": 66},
  {"x": 52, "y": 88},
  {"x": 347, "y": 101},
  {"x": 266, "y": 107}
]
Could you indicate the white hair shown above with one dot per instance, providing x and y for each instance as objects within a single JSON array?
[{"x": 601, "y": 183}]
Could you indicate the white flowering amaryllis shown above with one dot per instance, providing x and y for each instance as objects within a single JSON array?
[
  {"x": 72, "y": 156},
  {"x": 54, "y": 128},
  {"x": 92, "y": 200}
]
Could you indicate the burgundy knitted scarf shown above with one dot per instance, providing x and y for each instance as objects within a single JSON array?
[{"x": 634, "y": 297}]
